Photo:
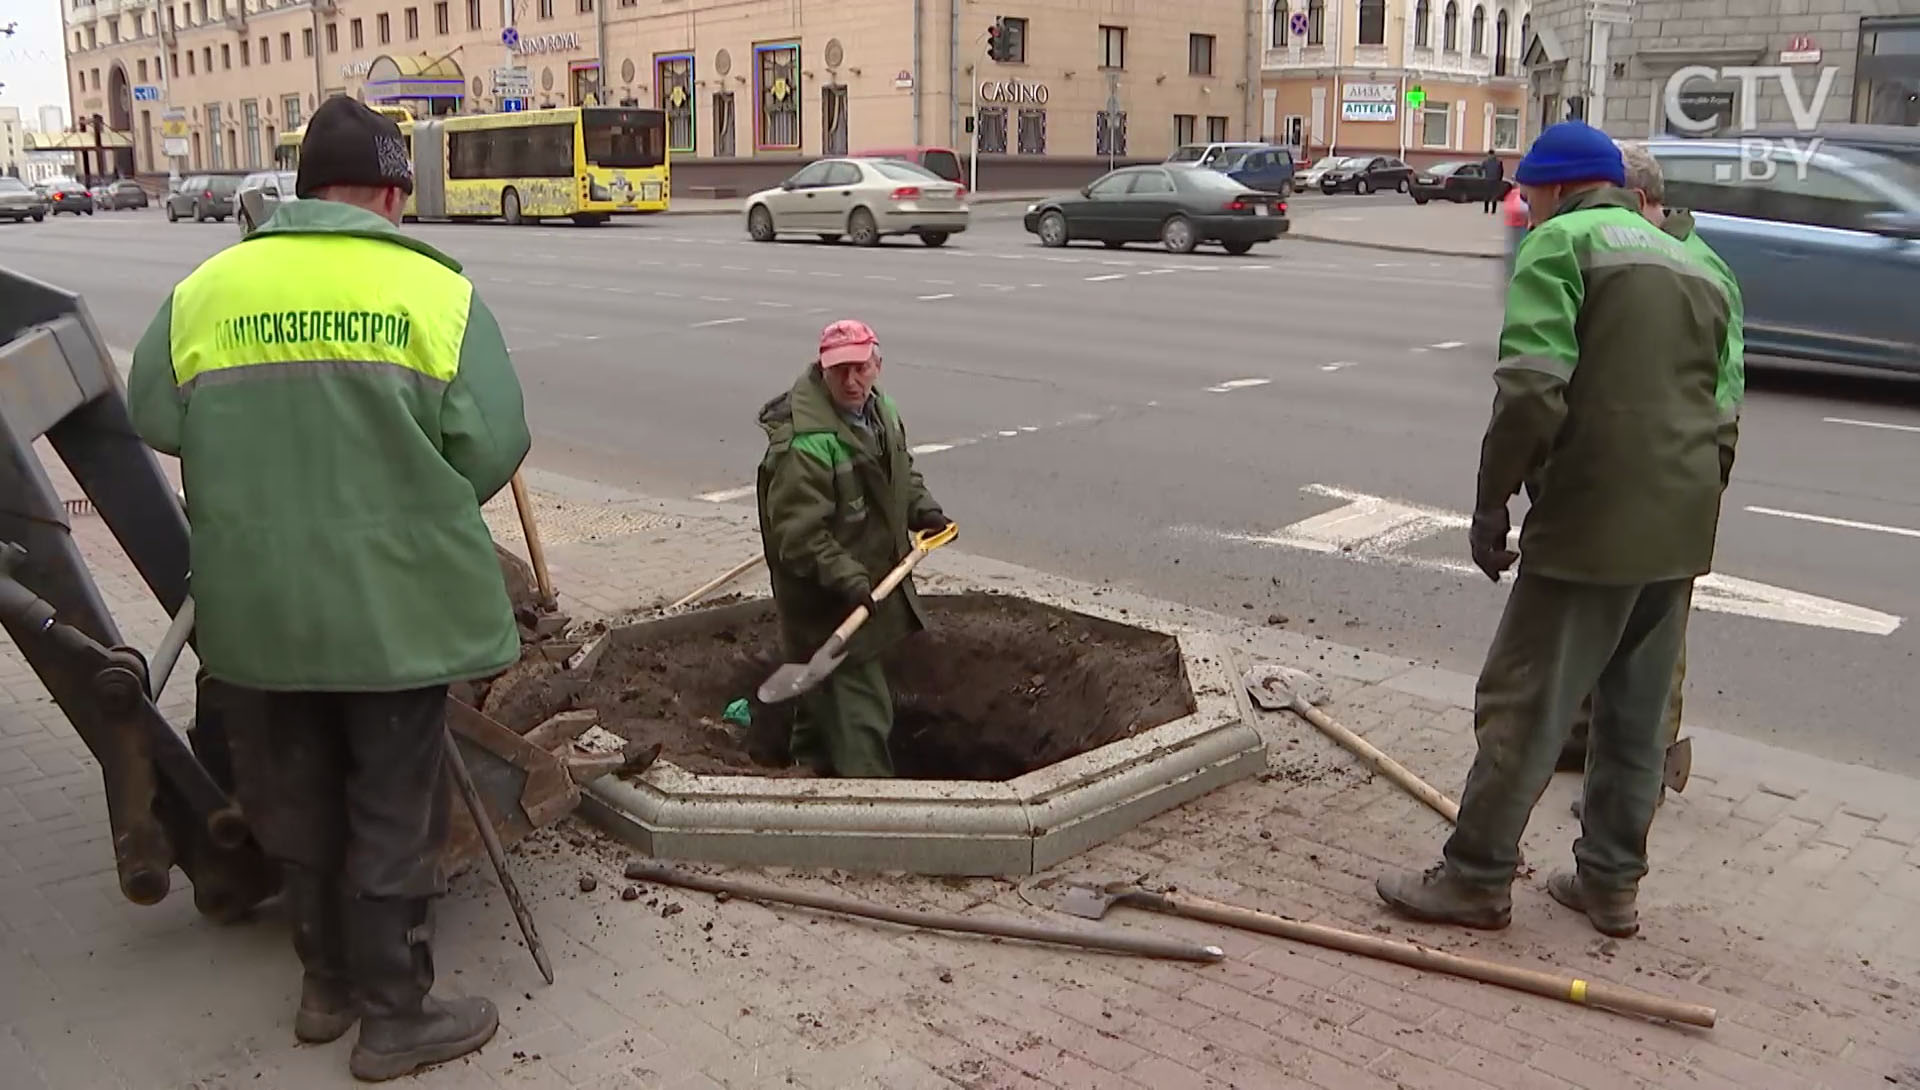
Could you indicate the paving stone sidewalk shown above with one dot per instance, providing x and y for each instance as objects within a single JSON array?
[
  {"x": 1456, "y": 230},
  {"x": 1783, "y": 893}
]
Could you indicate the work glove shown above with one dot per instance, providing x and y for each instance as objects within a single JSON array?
[
  {"x": 861, "y": 594},
  {"x": 1487, "y": 537},
  {"x": 930, "y": 520}
]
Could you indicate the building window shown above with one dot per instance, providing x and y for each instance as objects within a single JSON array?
[
  {"x": 1526, "y": 30},
  {"x": 1423, "y": 24},
  {"x": 673, "y": 92},
  {"x": 1183, "y": 128},
  {"x": 139, "y": 24},
  {"x": 383, "y": 28},
  {"x": 1450, "y": 27},
  {"x": 286, "y": 46},
  {"x": 356, "y": 34},
  {"x": 1014, "y": 32},
  {"x": 1200, "y": 54},
  {"x": 777, "y": 91},
  {"x": 1032, "y": 136},
  {"x": 113, "y": 32},
  {"x": 226, "y": 56},
  {"x": 1436, "y": 124},
  {"x": 266, "y": 54},
  {"x": 290, "y": 110},
  {"x": 1316, "y": 22},
  {"x": 306, "y": 41},
  {"x": 206, "y": 58},
  {"x": 586, "y": 7},
  {"x": 141, "y": 67},
  {"x": 442, "y": 21},
  {"x": 246, "y": 53},
  {"x": 173, "y": 62},
  {"x": 833, "y": 119},
  {"x": 1887, "y": 72},
  {"x": 215, "y": 147},
  {"x": 250, "y": 122},
  {"x": 1277, "y": 11},
  {"x": 992, "y": 127},
  {"x": 723, "y": 126},
  {"x": 189, "y": 63},
  {"x": 1113, "y": 47},
  {"x": 473, "y": 14},
  {"x": 1500, "y": 44},
  {"x": 1373, "y": 22},
  {"x": 1110, "y": 133},
  {"x": 546, "y": 9},
  {"x": 1216, "y": 130},
  {"x": 412, "y": 23},
  {"x": 1506, "y": 129},
  {"x": 1477, "y": 42}
]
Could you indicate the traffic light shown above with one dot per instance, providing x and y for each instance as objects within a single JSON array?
[{"x": 999, "y": 43}]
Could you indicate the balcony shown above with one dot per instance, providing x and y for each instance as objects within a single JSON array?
[
  {"x": 108, "y": 8},
  {"x": 82, "y": 13},
  {"x": 1311, "y": 56}
]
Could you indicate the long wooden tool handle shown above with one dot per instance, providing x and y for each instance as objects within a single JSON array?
[
  {"x": 1566, "y": 988},
  {"x": 859, "y": 615},
  {"x": 1115, "y": 942},
  {"x": 463, "y": 781},
  {"x": 1383, "y": 764},
  {"x": 535, "y": 552},
  {"x": 718, "y": 581}
]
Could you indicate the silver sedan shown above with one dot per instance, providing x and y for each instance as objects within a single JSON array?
[{"x": 860, "y": 199}]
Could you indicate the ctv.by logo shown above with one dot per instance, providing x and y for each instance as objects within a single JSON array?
[{"x": 1759, "y": 156}]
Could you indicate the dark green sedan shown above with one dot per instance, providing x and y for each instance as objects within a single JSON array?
[{"x": 1178, "y": 207}]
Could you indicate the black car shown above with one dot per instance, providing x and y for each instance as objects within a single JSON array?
[
  {"x": 1457, "y": 182},
  {"x": 1179, "y": 207},
  {"x": 125, "y": 193},
  {"x": 67, "y": 195},
  {"x": 1366, "y": 174}
]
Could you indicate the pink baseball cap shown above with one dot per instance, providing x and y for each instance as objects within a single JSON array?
[{"x": 847, "y": 341}]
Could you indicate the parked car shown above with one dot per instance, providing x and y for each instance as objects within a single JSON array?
[
  {"x": 1310, "y": 177},
  {"x": 1827, "y": 249},
  {"x": 1456, "y": 182},
  {"x": 1367, "y": 173},
  {"x": 259, "y": 195},
  {"x": 203, "y": 197},
  {"x": 1179, "y": 207},
  {"x": 860, "y": 199},
  {"x": 1265, "y": 167},
  {"x": 125, "y": 193},
  {"x": 19, "y": 202},
  {"x": 67, "y": 195},
  {"x": 943, "y": 162},
  {"x": 1893, "y": 141}
]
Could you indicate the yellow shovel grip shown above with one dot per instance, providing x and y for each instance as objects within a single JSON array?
[{"x": 928, "y": 540}]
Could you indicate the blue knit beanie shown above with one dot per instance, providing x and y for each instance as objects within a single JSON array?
[{"x": 1572, "y": 151}]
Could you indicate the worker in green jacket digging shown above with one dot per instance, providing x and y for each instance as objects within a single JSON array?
[
  {"x": 1605, "y": 399},
  {"x": 838, "y": 495},
  {"x": 1647, "y": 183},
  {"x": 342, "y": 403}
]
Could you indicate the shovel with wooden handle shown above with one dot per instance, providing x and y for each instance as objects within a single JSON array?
[{"x": 793, "y": 679}]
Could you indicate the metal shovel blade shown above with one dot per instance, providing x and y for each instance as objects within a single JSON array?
[
  {"x": 1679, "y": 767},
  {"x": 1075, "y": 897},
  {"x": 793, "y": 679}
]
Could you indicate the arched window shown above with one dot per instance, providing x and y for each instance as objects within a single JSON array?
[
  {"x": 1450, "y": 27},
  {"x": 1316, "y": 22},
  {"x": 1478, "y": 43},
  {"x": 1279, "y": 13},
  {"x": 1500, "y": 44},
  {"x": 1373, "y": 22},
  {"x": 1423, "y": 24},
  {"x": 1526, "y": 32}
]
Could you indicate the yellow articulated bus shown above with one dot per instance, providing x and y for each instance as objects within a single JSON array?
[{"x": 583, "y": 163}]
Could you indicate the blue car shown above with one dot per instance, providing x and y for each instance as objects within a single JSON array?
[
  {"x": 1825, "y": 241},
  {"x": 1266, "y": 168}
]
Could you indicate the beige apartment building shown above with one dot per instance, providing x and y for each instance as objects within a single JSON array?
[
  {"x": 750, "y": 86},
  {"x": 1336, "y": 76}
]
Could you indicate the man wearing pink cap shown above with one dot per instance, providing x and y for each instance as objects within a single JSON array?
[{"x": 838, "y": 493}]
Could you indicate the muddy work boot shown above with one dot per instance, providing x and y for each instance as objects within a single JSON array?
[
  {"x": 402, "y": 1027},
  {"x": 1438, "y": 896},
  {"x": 327, "y": 1007},
  {"x": 1611, "y": 912}
]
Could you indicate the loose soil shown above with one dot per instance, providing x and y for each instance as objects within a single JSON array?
[{"x": 997, "y": 687}]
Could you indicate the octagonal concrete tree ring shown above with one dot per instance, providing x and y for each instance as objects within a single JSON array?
[{"x": 945, "y": 827}]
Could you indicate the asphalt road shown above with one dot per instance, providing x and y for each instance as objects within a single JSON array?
[{"x": 1170, "y": 424}]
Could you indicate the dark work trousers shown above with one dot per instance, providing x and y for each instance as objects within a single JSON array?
[
  {"x": 842, "y": 725},
  {"x": 1558, "y": 642},
  {"x": 350, "y": 786},
  {"x": 1573, "y": 757}
]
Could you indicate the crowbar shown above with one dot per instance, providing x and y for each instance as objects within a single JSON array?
[{"x": 463, "y": 781}]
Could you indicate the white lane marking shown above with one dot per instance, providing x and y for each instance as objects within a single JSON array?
[
  {"x": 715, "y": 299},
  {"x": 877, "y": 276},
  {"x": 727, "y": 494},
  {"x": 1448, "y": 344},
  {"x": 1237, "y": 384},
  {"x": 1028, "y": 428},
  {"x": 941, "y": 283},
  {"x": 735, "y": 268},
  {"x": 1252, "y": 268},
  {"x": 714, "y": 322},
  {"x": 931, "y": 298},
  {"x": 929, "y": 448},
  {"x": 1036, "y": 285},
  {"x": 1373, "y": 529},
  {"x": 578, "y": 336},
  {"x": 669, "y": 295},
  {"x": 1868, "y": 424},
  {"x": 1009, "y": 434},
  {"x": 829, "y": 275},
  {"x": 1827, "y": 520},
  {"x": 1109, "y": 276},
  {"x": 1389, "y": 264},
  {"x": 1336, "y": 365},
  {"x": 777, "y": 306}
]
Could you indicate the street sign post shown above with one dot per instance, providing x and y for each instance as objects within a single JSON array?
[
  {"x": 173, "y": 133},
  {"x": 512, "y": 81}
]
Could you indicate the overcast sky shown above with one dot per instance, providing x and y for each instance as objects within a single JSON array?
[{"x": 31, "y": 63}]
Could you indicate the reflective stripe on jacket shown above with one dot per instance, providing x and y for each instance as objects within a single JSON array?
[{"x": 342, "y": 403}]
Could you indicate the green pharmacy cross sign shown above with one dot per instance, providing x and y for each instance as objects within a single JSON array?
[{"x": 1416, "y": 97}]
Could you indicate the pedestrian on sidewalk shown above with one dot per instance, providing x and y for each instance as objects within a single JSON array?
[
  {"x": 1604, "y": 310},
  {"x": 1648, "y": 185},
  {"x": 342, "y": 403},
  {"x": 1494, "y": 171},
  {"x": 838, "y": 493}
]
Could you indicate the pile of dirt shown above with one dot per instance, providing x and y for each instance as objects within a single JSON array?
[{"x": 996, "y": 688}]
